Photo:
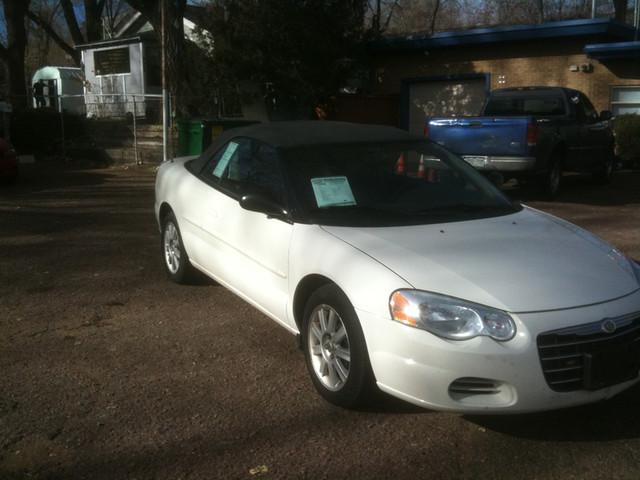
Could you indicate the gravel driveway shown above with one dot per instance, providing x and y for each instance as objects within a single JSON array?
[{"x": 107, "y": 370}]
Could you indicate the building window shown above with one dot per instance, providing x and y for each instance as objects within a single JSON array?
[
  {"x": 113, "y": 61},
  {"x": 625, "y": 100}
]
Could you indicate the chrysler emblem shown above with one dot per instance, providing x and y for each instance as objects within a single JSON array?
[{"x": 608, "y": 326}]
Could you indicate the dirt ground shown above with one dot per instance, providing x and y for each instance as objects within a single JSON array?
[{"x": 109, "y": 371}]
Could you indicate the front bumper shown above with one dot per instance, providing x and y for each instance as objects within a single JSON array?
[
  {"x": 501, "y": 163},
  {"x": 420, "y": 367}
]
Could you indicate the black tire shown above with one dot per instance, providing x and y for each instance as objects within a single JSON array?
[
  {"x": 602, "y": 176},
  {"x": 551, "y": 181},
  {"x": 359, "y": 385},
  {"x": 184, "y": 271}
]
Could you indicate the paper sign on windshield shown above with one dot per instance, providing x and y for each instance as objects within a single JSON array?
[
  {"x": 224, "y": 160},
  {"x": 332, "y": 191}
]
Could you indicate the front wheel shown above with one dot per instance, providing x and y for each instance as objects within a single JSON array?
[
  {"x": 603, "y": 175},
  {"x": 174, "y": 256},
  {"x": 335, "y": 350}
]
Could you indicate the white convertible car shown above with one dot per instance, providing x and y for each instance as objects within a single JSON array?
[{"x": 401, "y": 266}]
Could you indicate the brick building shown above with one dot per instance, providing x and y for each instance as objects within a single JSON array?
[{"x": 451, "y": 73}]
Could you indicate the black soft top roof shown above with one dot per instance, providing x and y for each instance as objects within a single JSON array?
[
  {"x": 286, "y": 135},
  {"x": 302, "y": 133}
]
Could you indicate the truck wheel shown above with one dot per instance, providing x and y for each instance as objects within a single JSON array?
[
  {"x": 552, "y": 180},
  {"x": 603, "y": 175}
]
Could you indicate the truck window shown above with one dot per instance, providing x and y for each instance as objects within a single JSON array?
[
  {"x": 542, "y": 106},
  {"x": 589, "y": 111}
]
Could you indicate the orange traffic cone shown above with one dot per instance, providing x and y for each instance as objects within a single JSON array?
[
  {"x": 421, "y": 168},
  {"x": 400, "y": 165}
]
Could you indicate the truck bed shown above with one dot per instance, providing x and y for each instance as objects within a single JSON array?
[{"x": 482, "y": 136}]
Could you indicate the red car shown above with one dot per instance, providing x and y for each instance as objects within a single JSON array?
[{"x": 8, "y": 162}]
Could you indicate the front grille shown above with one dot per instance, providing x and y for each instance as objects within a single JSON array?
[{"x": 586, "y": 357}]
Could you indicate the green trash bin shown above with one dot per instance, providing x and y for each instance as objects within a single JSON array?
[
  {"x": 195, "y": 135},
  {"x": 190, "y": 137}
]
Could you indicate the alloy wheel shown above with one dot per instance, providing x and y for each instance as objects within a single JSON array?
[{"x": 329, "y": 347}]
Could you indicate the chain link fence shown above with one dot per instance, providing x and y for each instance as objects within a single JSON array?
[{"x": 98, "y": 128}]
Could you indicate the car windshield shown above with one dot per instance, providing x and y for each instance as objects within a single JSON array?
[{"x": 388, "y": 184}]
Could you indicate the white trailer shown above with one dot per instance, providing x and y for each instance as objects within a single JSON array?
[{"x": 60, "y": 88}]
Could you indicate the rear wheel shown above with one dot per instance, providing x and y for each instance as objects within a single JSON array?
[
  {"x": 552, "y": 180},
  {"x": 335, "y": 350},
  {"x": 174, "y": 256}
]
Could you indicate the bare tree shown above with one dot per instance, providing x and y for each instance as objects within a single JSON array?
[
  {"x": 434, "y": 16},
  {"x": 50, "y": 30},
  {"x": 428, "y": 16},
  {"x": 620, "y": 8},
  {"x": 93, "y": 10},
  {"x": 381, "y": 14},
  {"x": 540, "y": 8},
  {"x": 13, "y": 53},
  {"x": 174, "y": 36},
  {"x": 41, "y": 50},
  {"x": 114, "y": 11}
]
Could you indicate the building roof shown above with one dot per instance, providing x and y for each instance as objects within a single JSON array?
[
  {"x": 135, "y": 22},
  {"x": 609, "y": 51},
  {"x": 512, "y": 33},
  {"x": 115, "y": 42}
]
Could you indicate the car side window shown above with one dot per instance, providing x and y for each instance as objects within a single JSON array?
[
  {"x": 217, "y": 166},
  {"x": 590, "y": 111},
  {"x": 584, "y": 110},
  {"x": 245, "y": 166}
]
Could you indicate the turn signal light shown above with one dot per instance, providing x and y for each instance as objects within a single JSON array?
[{"x": 403, "y": 310}]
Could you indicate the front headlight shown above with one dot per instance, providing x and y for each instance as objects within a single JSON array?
[{"x": 450, "y": 317}]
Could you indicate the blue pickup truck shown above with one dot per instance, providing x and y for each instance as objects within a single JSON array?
[{"x": 532, "y": 133}]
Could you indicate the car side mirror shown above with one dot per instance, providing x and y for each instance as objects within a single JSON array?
[
  {"x": 255, "y": 202},
  {"x": 605, "y": 115}
]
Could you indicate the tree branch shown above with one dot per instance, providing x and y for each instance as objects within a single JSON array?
[
  {"x": 72, "y": 22},
  {"x": 54, "y": 36},
  {"x": 434, "y": 17},
  {"x": 390, "y": 15}
]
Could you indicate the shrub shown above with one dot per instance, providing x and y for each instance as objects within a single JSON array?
[
  {"x": 40, "y": 131},
  {"x": 627, "y": 131}
]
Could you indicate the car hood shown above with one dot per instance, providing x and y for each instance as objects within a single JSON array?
[{"x": 524, "y": 262}]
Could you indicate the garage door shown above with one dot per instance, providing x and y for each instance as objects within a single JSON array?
[{"x": 444, "y": 98}]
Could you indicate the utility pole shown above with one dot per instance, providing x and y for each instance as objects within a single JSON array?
[
  {"x": 165, "y": 94},
  {"x": 593, "y": 8}
]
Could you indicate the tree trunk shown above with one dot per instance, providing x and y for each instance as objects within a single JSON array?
[
  {"x": 620, "y": 7},
  {"x": 540, "y": 12},
  {"x": 48, "y": 29},
  {"x": 177, "y": 74},
  {"x": 72, "y": 22},
  {"x": 13, "y": 54},
  {"x": 93, "y": 19},
  {"x": 434, "y": 17}
]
